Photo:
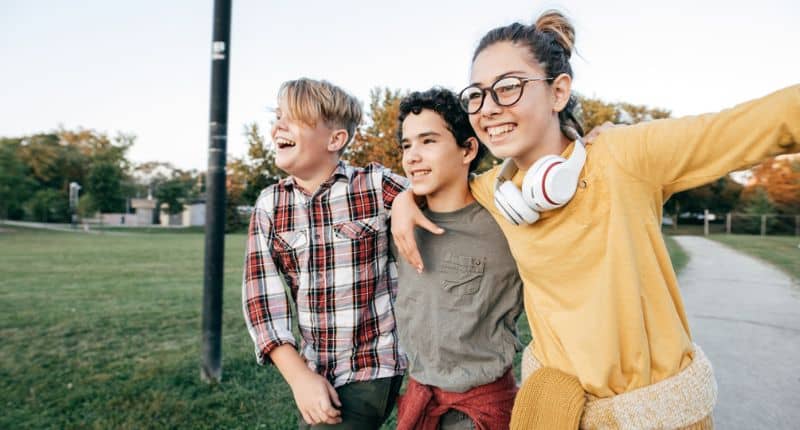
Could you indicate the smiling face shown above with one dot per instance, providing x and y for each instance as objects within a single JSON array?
[
  {"x": 300, "y": 148},
  {"x": 514, "y": 131},
  {"x": 432, "y": 160}
]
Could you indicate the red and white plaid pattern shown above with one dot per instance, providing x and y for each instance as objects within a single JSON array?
[{"x": 331, "y": 251}]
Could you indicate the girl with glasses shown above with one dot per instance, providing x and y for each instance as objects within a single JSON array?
[{"x": 612, "y": 346}]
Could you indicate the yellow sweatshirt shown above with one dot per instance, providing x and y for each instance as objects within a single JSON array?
[{"x": 600, "y": 292}]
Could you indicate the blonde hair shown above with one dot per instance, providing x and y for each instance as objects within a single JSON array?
[{"x": 309, "y": 101}]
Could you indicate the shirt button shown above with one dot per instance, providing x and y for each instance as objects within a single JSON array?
[{"x": 583, "y": 183}]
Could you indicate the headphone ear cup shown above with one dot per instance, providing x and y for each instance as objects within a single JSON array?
[
  {"x": 561, "y": 183},
  {"x": 534, "y": 187},
  {"x": 512, "y": 205}
]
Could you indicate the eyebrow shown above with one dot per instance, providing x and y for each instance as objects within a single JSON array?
[
  {"x": 422, "y": 135},
  {"x": 500, "y": 76}
]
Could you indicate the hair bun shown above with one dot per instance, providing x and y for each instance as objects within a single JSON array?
[{"x": 554, "y": 22}]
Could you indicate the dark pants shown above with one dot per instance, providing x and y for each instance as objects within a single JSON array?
[
  {"x": 365, "y": 405},
  {"x": 455, "y": 420}
]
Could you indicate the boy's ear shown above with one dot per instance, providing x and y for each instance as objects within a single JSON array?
[
  {"x": 471, "y": 152},
  {"x": 338, "y": 140},
  {"x": 562, "y": 89}
]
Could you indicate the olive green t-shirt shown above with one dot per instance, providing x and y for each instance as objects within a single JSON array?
[{"x": 457, "y": 320}]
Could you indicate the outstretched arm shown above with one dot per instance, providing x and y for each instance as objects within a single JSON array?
[{"x": 682, "y": 153}]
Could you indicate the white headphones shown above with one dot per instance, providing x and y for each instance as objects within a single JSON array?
[{"x": 549, "y": 184}]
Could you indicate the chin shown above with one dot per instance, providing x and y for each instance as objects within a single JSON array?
[
  {"x": 501, "y": 152},
  {"x": 285, "y": 165},
  {"x": 420, "y": 191},
  {"x": 508, "y": 150}
]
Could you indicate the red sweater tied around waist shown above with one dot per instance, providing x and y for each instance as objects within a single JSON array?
[{"x": 489, "y": 406}]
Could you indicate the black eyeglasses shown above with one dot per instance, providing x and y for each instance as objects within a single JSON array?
[{"x": 505, "y": 92}]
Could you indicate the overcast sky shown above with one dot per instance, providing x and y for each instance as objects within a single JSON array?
[{"x": 143, "y": 67}]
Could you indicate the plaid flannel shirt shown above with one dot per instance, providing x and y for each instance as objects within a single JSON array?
[{"x": 331, "y": 250}]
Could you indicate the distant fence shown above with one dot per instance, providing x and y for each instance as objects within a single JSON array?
[{"x": 741, "y": 223}]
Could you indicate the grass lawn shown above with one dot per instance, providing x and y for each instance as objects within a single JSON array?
[
  {"x": 780, "y": 251},
  {"x": 676, "y": 254},
  {"x": 102, "y": 331}
]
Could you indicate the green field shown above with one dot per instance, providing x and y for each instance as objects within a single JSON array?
[{"x": 102, "y": 331}]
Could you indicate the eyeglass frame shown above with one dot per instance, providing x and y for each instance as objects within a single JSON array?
[{"x": 492, "y": 92}]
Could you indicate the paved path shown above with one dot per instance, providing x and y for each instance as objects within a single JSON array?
[{"x": 745, "y": 315}]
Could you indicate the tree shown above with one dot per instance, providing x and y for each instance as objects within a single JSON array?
[
  {"x": 720, "y": 196},
  {"x": 16, "y": 185},
  {"x": 48, "y": 205},
  {"x": 249, "y": 175},
  {"x": 169, "y": 185},
  {"x": 86, "y": 206},
  {"x": 104, "y": 184},
  {"x": 779, "y": 178},
  {"x": 173, "y": 192},
  {"x": 754, "y": 204},
  {"x": 254, "y": 172},
  {"x": 377, "y": 141},
  {"x": 594, "y": 112},
  {"x": 98, "y": 146},
  {"x": 51, "y": 164}
]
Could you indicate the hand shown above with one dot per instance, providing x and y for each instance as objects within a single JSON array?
[
  {"x": 589, "y": 138},
  {"x": 316, "y": 397},
  {"x": 405, "y": 217}
]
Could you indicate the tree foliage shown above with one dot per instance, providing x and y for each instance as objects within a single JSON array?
[
  {"x": 51, "y": 161},
  {"x": 104, "y": 184},
  {"x": 35, "y": 170},
  {"x": 249, "y": 175},
  {"x": 16, "y": 183},
  {"x": 376, "y": 141},
  {"x": 779, "y": 178},
  {"x": 594, "y": 112},
  {"x": 48, "y": 205}
]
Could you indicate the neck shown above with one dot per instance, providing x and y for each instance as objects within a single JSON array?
[
  {"x": 553, "y": 143},
  {"x": 311, "y": 181},
  {"x": 452, "y": 198}
]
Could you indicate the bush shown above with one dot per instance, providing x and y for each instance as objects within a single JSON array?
[{"x": 48, "y": 205}]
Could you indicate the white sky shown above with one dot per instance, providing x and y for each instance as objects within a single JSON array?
[{"x": 144, "y": 66}]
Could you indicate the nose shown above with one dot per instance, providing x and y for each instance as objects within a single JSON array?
[
  {"x": 411, "y": 155},
  {"x": 277, "y": 124},
  {"x": 490, "y": 107}
]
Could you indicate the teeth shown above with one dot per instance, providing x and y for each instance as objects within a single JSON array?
[
  {"x": 282, "y": 143},
  {"x": 420, "y": 173},
  {"x": 496, "y": 131}
]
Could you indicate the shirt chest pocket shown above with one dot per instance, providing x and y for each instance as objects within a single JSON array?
[
  {"x": 359, "y": 229},
  {"x": 292, "y": 249},
  {"x": 462, "y": 274},
  {"x": 362, "y": 244}
]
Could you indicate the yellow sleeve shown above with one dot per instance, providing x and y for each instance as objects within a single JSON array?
[
  {"x": 482, "y": 188},
  {"x": 682, "y": 153}
]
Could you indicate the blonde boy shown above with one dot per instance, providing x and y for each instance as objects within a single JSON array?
[{"x": 322, "y": 232}]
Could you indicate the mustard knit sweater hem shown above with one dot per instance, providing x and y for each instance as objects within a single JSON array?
[{"x": 685, "y": 400}]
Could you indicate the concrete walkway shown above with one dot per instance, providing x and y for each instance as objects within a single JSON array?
[{"x": 745, "y": 314}]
